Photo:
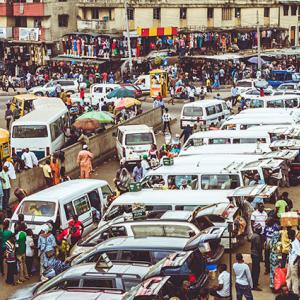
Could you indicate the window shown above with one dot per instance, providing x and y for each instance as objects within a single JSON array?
[
  {"x": 291, "y": 103},
  {"x": 176, "y": 180},
  {"x": 131, "y": 255},
  {"x": 106, "y": 192},
  {"x": 193, "y": 111},
  {"x": 69, "y": 83},
  {"x": 210, "y": 12},
  {"x": 182, "y": 13},
  {"x": 30, "y": 131},
  {"x": 69, "y": 210},
  {"x": 110, "y": 14},
  {"x": 120, "y": 137},
  {"x": 226, "y": 13},
  {"x": 156, "y": 13},
  {"x": 37, "y": 208},
  {"x": 82, "y": 205},
  {"x": 256, "y": 103},
  {"x": 210, "y": 110},
  {"x": 220, "y": 182},
  {"x": 267, "y": 12},
  {"x": 275, "y": 103},
  {"x": 130, "y": 13},
  {"x": 95, "y": 199},
  {"x": 98, "y": 283},
  {"x": 237, "y": 12},
  {"x": 219, "y": 108},
  {"x": 95, "y": 13},
  {"x": 286, "y": 10},
  {"x": 63, "y": 20},
  {"x": 159, "y": 255},
  {"x": 37, "y": 22},
  {"x": 294, "y": 10},
  {"x": 56, "y": 129},
  {"x": 21, "y": 22},
  {"x": 218, "y": 141},
  {"x": 144, "y": 138}
]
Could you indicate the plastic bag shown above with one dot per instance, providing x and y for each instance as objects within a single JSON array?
[{"x": 279, "y": 277}]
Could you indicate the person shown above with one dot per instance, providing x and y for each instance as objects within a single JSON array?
[
  {"x": 55, "y": 169},
  {"x": 34, "y": 159},
  {"x": 275, "y": 252},
  {"x": 124, "y": 180},
  {"x": 247, "y": 211},
  {"x": 8, "y": 116},
  {"x": 172, "y": 95},
  {"x": 256, "y": 180},
  {"x": 184, "y": 185},
  {"x": 292, "y": 279},
  {"x": 186, "y": 133},
  {"x": 243, "y": 281},
  {"x": 285, "y": 197},
  {"x": 47, "y": 173},
  {"x": 137, "y": 173},
  {"x": 145, "y": 165},
  {"x": 259, "y": 216},
  {"x": 222, "y": 290},
  {"x": 6, "y": 187},
  {"x": 11, "y": 261},
  {"x": 29, "y": 160},
  {"x": 234, "y": 94},
  {"x": 280, "y": 207},
  {"x": 76, "y": 229},
  {"x": 208, "y": 85},
  {"x": 16, "y": 113},
  {"x": 53, "y": 265},
  {"x": 166, "y": 120},
  {"x": 285, "y": 294},
  {"x": 1, "y": 196},
  {"x": 62, "y": 249},
  {"x": 256, "y": 255},
  {"x": 11, "y": 169},
  {"x": 21, "y": 252},
  {"x": 285, "y": 245},
  {"x": 5, "y": 234},
  {"x": 29, "y": 251},
  {"x": 84, "y": 160},
  {"x": 192, "y": 94}
]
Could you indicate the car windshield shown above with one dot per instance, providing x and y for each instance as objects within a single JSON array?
[
  {"x": 30, "y": 131},
  {"x": 193, "y": 111},
  {"x": 244, "y": 84},
  {"x": 220, "y": 182},
  {"x": 143, "y": 138},
  {"x": 255, "y": 103},
  {"x": 37, "y": 208}
]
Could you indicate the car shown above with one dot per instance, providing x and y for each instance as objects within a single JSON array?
[
  {"x": 134, "y": 88},
  {"x": 289, "y": 86},
  {"x": 70, "y": 86},
  {"x": 246, "y": 84},
  {"x": 256, "y": 92},
  {"x": 119, "y": 276}
]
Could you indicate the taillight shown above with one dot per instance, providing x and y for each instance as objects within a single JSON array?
[
  {"x": 192, "y": 278},
  {"x": 47, "y": 151},
  {"x": 123, "y": 151}
]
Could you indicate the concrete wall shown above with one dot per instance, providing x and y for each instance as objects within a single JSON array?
[{"x": 101, "y": 145}]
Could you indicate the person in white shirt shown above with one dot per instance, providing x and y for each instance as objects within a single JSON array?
[
  {"x": 243, "y": 279},
  {"x": 192, "y": 94},
  {"x": 222, "y": 290},
  {"x": 145, "y": 165},
  {"x": 26, "y": 157},
  {"x": 33, "y": 157},
  {"x": 292, "y": 279},
  {"x": 259, "y": 216},
  {"x": 184, "y": 185},
  {"x": 11, "y": 170},
  {"x": 29, "y": 251},
  {"x": 166, "y": 120}
]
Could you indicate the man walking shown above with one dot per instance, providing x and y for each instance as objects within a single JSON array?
[
  {"x": 84, "y": 160},
  {"x": 186, "y": 133},
  {"x": 166, "y": 120},
  {"x": 256, "y": 255},
  {"x": 243, "y": 281}
]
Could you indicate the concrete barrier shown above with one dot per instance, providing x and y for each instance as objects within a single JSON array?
[{"x": 101, "y": 145}]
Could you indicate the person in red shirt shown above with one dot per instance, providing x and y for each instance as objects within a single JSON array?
[
  {"x": 81, "y": 94},
  {"x": 104, "y": 77},
  {"x": 75, "y": 229}
]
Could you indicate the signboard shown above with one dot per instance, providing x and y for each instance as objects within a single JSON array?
[
  {"x": 5, "y": 32},
  {"x": 138, "y": 211},
  {"x": 28, "y": 34}
]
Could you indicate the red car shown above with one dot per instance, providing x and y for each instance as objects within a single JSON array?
[{"x": 132, "y": 87}]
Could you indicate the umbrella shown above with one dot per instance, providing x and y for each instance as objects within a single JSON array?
[
  {"x": 99, "y": 116},
  {"x": 120, "y": 93},
  {"x": 254, "y": 60},
  {"x": 87, "y": 124},
  {"x": 126, "y": 103}
]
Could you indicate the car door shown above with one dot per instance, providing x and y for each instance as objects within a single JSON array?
[{"x": 83, "y": 210}]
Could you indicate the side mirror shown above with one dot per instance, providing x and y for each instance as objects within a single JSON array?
[{"x": 114, "y": 134}]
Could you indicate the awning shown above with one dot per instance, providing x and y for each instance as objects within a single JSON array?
[
  {"x": 156, "y": 31},
  {"x": 77, "y": 60}
]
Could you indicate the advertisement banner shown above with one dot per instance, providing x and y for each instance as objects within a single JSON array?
[
  {"x": 5, "y": 32},
  {"x": 28, "y": 34}
]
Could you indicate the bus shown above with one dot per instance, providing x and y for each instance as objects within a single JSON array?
[{"x": 41, "y": 130}]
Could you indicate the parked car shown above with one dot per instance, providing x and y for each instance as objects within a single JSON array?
[
  {"x": 68, "y": 85},
  {"x": 289, "y": 86},
  {"x": 246, "y": 84},
  {"x": 118, "y": 277}
]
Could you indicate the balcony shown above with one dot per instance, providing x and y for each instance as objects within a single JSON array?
[
  {"x": 29, "y": 34},
  {"x": 6, "y": 10},
  {"x": 28, "y": 9},
  {"x": 93, "y": 25}
]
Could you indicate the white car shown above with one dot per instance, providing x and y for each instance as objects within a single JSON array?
[
  {"x": 68, "y": 85},
  {"x": 292, "y": 86},
  {"x": 255, "y": 92},
  {"x": 246, "y": 84}
]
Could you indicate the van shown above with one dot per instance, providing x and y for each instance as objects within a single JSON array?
[
  {"x": 100, "y": 90},
  {"x": 205, "y": 111},
  {"x": 281, "y": 101},
  {"x": 226, "y": 137},
  {"x": 133, "y": 141},
  {"x": 24, "y": 102},
  {"x": 143, "y": 82},
  {"x": 61, "y": 202}
]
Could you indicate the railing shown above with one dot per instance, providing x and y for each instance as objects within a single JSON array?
[{"x": 93, "y": 25}]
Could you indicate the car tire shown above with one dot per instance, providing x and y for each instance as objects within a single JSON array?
[{"x": 40, "y": 94}]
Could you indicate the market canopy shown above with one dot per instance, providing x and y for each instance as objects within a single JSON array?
[{"x": 156, "y": 31}]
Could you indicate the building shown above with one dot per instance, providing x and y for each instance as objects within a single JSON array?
[{"x": 191, "y": 15}]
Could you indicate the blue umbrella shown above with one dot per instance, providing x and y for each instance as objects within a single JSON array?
[
  {"x": 120, "y": 93},
  {"x": 254, "y": 60}
]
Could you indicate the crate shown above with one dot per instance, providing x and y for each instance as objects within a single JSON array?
[
  {"x": 289, "y": 219},
  {"x": 135, "y": 187},
  {"x": 168, "y": 161}
]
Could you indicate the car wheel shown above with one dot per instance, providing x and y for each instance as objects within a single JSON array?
[{"x": 39, "y": 94}]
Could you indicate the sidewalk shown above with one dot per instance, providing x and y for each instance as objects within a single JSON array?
[{"x": 11, "y": 93}]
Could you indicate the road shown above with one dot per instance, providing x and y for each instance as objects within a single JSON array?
[{"x": 107, "y": 172}]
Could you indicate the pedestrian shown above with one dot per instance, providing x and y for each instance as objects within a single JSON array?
[
  {"x": 166, "y": 120},
  {"x": 123, "y": 182},
  {"x": 5, "y": 234},
  {"x": 137, "y": 173},
  {"x": 274, "y": 258},
  {"x": 280, "y": 207},
  {"x": 145, "y": 165},
  {"x": 81, "y": 94},
  {"x": 6, "y": 187},
  {"x": 84, "y": 160},
  {"x": 8, "y": 116},
  {"x": 21, "y": 252},
  {"x": 256, "y": 255},
  {"x": 285, "y": 245},
  {"x": 292, "y": 279},
  {"x": 76, "y": 229},
  {"x": 285, "y": 294},
  {"x": 47, "y": 173},
  {"x": 192, "y": 94},
  {"x": 29, "y": 251},
  {"x": 11, "y": 83},
  {"x": 172, "y": 95},
  {"x": 11, "y": 169},
  {"x": 186, "y": 133},
  {"x": 259, "y": 216},
  {"x": 208, "y": 85},
  {"x": 55, "y": 169},
  {"x": 16, "y": 113},
  {"x": 285, "y": 197},
  {"x": 28, "y": 159},
  {"x": 234, "y": 94},
  {"x": 243, "y": 281},
  {"x": 222, "y": 290},
  {"x": 34, "y": 159},
  {"x": 11, "y": 261},
  {"x": 247, "y": 211}
]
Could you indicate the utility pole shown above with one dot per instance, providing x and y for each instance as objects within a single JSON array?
[
  {"x": 128, "y": 38},
  {"x": 258, "y": 42}
]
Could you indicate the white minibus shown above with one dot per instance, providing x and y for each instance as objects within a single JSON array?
[
  {"x": 280, "y": 101},
  {"x": 41, "y": 130},
  {"x": 204, "y": 112}
]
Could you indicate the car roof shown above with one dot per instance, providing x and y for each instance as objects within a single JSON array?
[
  {"x": 226, "y": 134},
  {"x": 203, "y": 103},
  {"x": 67, "y": 189},
  {"x": 135, "y": 128}
]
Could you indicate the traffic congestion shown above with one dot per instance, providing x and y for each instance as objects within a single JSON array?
[{"x": 180, "y": 182}]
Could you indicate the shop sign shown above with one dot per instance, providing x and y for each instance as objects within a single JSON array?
[
  {"x": 28, "y": 34},
  {"x": 5, "y": 32}
]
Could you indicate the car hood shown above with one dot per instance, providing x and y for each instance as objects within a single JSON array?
[{"x": 24, "y": 293}]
